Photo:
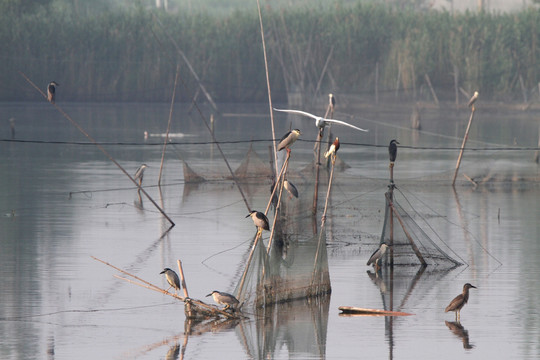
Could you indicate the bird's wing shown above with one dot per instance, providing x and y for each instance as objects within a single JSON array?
[
  {"x": 345, "y": 123},
  {"x": 299, "y": 112},
  {"x": 285, "y": 136},
  {"x": 372, "y": 257}
]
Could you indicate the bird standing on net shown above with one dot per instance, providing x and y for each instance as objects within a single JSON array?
[
  {"x": 172, "y": 279},
  {"x": 473, "y": 100},
  {"x": 288, "y": 139},
  {"x": 320, "y": 122},
  {"x": 376, "y": 257},
  {"x": 260, "y": 220},
  {"x": 459, "y": 301},
  {"x": 139, "y": 174},
  {"x": 333, "y": 149},
  {"x": 51, "y": 91},
  {"x": 224, "y": 298}
]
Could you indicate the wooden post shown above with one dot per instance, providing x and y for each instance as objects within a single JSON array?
[
  {"x": 435, "y": 98},
  {"x": 182, "y": 278},
  {"x": 168, "y": 124},
  {"x": 317, "y": 170},
  {"x": 463, "y": 145}
]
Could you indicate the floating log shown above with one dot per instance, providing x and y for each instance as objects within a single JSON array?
[{"x": 351, "y": 310}]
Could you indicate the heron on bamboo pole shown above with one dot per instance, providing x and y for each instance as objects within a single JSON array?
[{"x": 51, "y": 91}]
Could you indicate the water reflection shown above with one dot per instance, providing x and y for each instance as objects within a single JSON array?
[{"x": 457, "y": 329}]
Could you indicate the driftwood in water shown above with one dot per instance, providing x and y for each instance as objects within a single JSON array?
[
  {"x": 351, "y": 310},
  {"x": 194, "y": 309}
]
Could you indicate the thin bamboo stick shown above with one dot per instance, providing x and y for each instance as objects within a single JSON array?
[
  {"x": 463, "y": 145},
  {"x": 80, "y": 128},
  {"x": 169, "y": 123}
]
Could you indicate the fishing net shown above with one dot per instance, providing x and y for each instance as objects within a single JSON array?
[
  {"x": 410, "y": 243},
  {"x": 295, "y": 267},
  {"x": 253, "y": 166}
]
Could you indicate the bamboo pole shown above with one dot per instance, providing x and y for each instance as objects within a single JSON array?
[
  {"x": 435, "y": 98},
  {"x": 268, "y": 85},
  {"x": 411, "y": 241},
  {"x": 169, "y": 123},
  {"x": 463, "y": 145},
  {"x": 101, "y": 148},
  {"x": 317, "y": 171}
]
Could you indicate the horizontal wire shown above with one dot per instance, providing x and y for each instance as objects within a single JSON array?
[{"x": 81, "y": 143}]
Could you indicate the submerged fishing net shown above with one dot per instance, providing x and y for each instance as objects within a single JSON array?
[
  {"x": 296, "y": 266},
  {"x": 411, "y": 244}
]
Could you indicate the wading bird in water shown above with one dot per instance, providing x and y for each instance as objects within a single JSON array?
[
  {"x": 460, "y": 300},
  {"x": 321, "y": 122}
]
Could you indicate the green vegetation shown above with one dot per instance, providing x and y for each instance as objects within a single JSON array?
[{"x": 126, "y": 55}]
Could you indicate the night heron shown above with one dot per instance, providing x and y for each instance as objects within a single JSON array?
[
  {"x": 260, "y": 220},
  {"x": 223, "y": 298},
  {"x": 139, "y": 174},
  {"x": 333, "y": 148},
  {"x": 392, "y": 151},
  {"x": 320, "y": 122},
  {"x": 291, "y": 189},
  {"x": 460, "y": 300},
  {"x": 288, "y": 139},
  {"x": 473, "y": 100},
  {"x": 376, "y": 257},
  {"x": 51, "y": 90},
  {"x": 172, "y": 279}
]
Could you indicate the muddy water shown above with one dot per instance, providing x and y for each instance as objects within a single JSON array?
[{"x": 63, "y": 201}]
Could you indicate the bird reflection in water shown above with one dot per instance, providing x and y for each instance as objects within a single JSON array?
[
  {"x": 457, "y": 329},
  {"x": 173, "y": 353},
  {"x": 378, "y": 280}
]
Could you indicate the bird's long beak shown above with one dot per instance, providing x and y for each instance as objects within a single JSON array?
[
  {"x": 208, "y": 295},
  {"x": 248, "y": 215},
  {"x": 474, "y": 286}
]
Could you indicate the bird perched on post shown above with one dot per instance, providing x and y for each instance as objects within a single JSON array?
[
  {"x": 376, "y": 257},
  {"x": 473, "y": 100},
  {"x": 260, "y": 220},
  {"x": 51, "y": 91},
  {"x": 392, "y": 151},
  {"x": 333, "y": 148},
  {"x": 459, "y": 301},
  {"x": 224, "y": 298},
  {"x": 172, "y": 279},
  {"x": 291, "y": 189},
  {"x": 288, "y": 139},
  {"x": 331, "y": 102},
  {"x": 139, "y": 174}
]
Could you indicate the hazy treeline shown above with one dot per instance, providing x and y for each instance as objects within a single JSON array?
[{"x": 128, "y": 56}]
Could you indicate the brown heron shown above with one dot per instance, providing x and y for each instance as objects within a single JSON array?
[
  {"x": 377, "y": 255},
  {"x": 172, "y": 279},
  {"x": 459, "y": 301},
  {"x": 333, "y": 148},
  {"x": 288, "y": 139},
  {"x": 51, "y": 91},
  {"x": 260, "y": 220},
  {"x": 320, "y": 122},
  {"x": 223, "y": 298},
  {"x": 139, "y": 174},
  {"x": 473, "y": 100}
]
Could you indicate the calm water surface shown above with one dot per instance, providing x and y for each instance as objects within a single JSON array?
[{"x": 63, "y": 201}]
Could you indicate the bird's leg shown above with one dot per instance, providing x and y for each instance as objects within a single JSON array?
[
  {"x": 334, "y": 159},
  {"x": 226, "y": 307},
  {"x": 168, "y": 288},
  {"x": 288, "y": 151}
]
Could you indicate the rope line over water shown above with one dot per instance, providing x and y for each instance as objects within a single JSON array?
[{"x": 443, "y": 148}]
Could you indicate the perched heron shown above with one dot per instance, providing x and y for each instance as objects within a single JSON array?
[
  {"x": 392, "y": 151},
  {"x": 223, "y": 298},
  {"x": 473, "y": 100},
  {"x": 51, "y": 91},
  {"x": 139, "y": 174},
  {"x": 333, "y": 148},
  {"x": 460, "y": 300},
  {"x": 331, "y": 101},
  {"x": 377, "y": 255},
  {"x": 291, "y": 189},
  {"x": 288, "y": 139},
  {"x": 321, "y": 122},
  {"x": 260, "y": 220},
  {"x": 172, "y": 279}
]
